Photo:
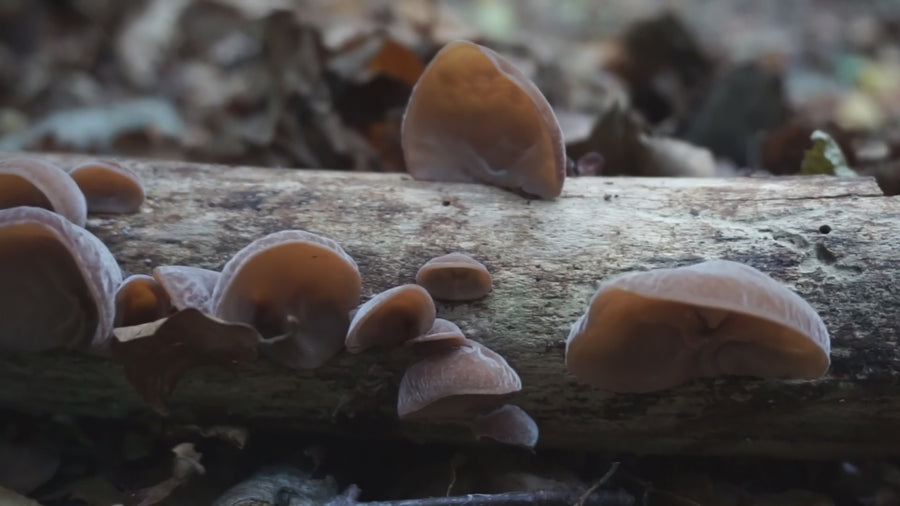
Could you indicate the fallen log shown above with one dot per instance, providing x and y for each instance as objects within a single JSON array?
[{"x": 835, "y": 241}]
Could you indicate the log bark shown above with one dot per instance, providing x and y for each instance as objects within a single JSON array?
[{"x": 835, "y": 241}]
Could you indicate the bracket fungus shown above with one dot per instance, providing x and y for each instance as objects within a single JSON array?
[
  {"x": 474, "y": 117},
  {"x": 188, "y": 286},
  {"x": 508, "y": 424},
  {"x": 140, "y": 299},
  {"x": 59, "y": 283},
  {"x": 297, "y": 289},
  {"x": 455, "y": 277},
  {"x": 108, "y": 187},
  {"x": 457, "y": 382},
  {"x": 655, "y": 330},
  {"x": 390, "y": 318},
  {"x": 30, "y": 182},
  {"x": 156, "y": 355}
]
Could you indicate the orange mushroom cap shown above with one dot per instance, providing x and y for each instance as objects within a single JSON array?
[
  {"x": 474, "y": 117},
  {"x": 297, "y": 289},
  {"x": 59, "y": 283},
  {"x": 108, "y": 187},
  {"x": 31, "y": 182},
  {"x": 655, "y": 330}
]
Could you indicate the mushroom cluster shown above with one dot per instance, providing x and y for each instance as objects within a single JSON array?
[
  {"x": 655, "y": 330},
  {"x": 60, "y": 280},
  {"x": 454, "y": 379}
]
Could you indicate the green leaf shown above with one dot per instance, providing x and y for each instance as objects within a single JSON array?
[{"x": 825, "y": 157}]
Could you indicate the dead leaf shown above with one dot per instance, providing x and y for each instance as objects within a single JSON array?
[
  {"x": 155, "y": 355},
  {"x": 825, "y": 157},
  {"x": 10, "y": 498}
]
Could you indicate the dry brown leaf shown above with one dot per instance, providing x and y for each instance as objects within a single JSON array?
[
  {"x": 155, "y": 355},
  {"x": 10, "y": 498}
]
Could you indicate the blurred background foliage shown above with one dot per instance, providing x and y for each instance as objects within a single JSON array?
[{"x": 323, "y": 84}]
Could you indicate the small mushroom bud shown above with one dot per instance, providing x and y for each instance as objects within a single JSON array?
[
  {"x": 140, "y": 299},
  {"x": 188, "y": 286},
  {"x": 474, "y": 117},
  {"x": 455, "y": 277},
  {"x": 390, "y": 318},
  {"x": 30, "y": 182},
  {"x": 108, "y": 187},
  {"x": 655, "y": 330},
  {"x": 59, "y": 283},
  {"x": 461, "y": 381},
  {"x": 297, "y": 289},
  {"x": 443, "y": 334},
  {"x": 507, "y": 424}
]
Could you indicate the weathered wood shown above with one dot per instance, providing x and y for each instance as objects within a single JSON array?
[{"x": 836, "y": 241}]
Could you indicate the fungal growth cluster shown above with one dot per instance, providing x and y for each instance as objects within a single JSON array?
[
  {"x": 455, "y": 378},
  {"x": 59, "y": 279},
  {"x": 293, "y": 297}
]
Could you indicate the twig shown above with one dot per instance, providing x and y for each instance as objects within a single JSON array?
[
  {"x": 602, "y": 481},
  {"x": 536, "y": 498}
]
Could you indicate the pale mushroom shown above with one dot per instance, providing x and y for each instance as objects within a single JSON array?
[
  {"x": 390, "y": 318},
  {"x": 655, "y": 330},
  {"x": 59, "y": 283},
  {"x": 443, "y": 334},
  {"x": 108, "y": 187},
  {"x": 508, "y": 424},
  {"x": 188, "y": 286},
  {"x": 474, "y": 117},
  {"x": 30, "y": 182},
  {"x": 455, "y": 277},
  {"x": 297, "y": 289},
  {"x": 461, "y": 381}
]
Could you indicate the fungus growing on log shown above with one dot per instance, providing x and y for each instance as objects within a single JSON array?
[
  {"x": 188, "y": 286},
  {"x": 441, "y": 335},
  {"x": 455, "y": 277},
  {"x": 108, "y": 187},
  {"x": 655, "y": 330},
  {"x": 156, "y": 355},
  {"x": 59, "y": 283},
  {"x": 474, "y": 117},
  {"x": 508, "y": 424},
  {"x": 458, "y": 382},
  {"x": 140, "y": 299},
  {"x": 390, "y": 318},
  {"x": 30, "y": 182},
  {"x": 297, "y": 289}
]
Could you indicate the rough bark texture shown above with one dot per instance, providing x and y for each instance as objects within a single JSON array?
[{"x": 835, "y": 241}]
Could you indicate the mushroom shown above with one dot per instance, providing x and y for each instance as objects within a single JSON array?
[
  {"x": 390, "y": 318},
  {"x": 140, "y": 299},
  {"x": 508, "y": 424},
  {"x": 30, "y": 182},
  {"x": 655, "y": 330},
  {"x": 441, "y": 335},
  {"x": 108, "y": 187},
  {"x": 156, "y": 355},
  {"x": 188, "y": 286},
  {"x": 455, "y": 277},
  {"x": 474, "y": 117},
  {"x": 297, "y": 289},
  {"x": 461, "y": 381},
  {"x": 59, "y": 283}
]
